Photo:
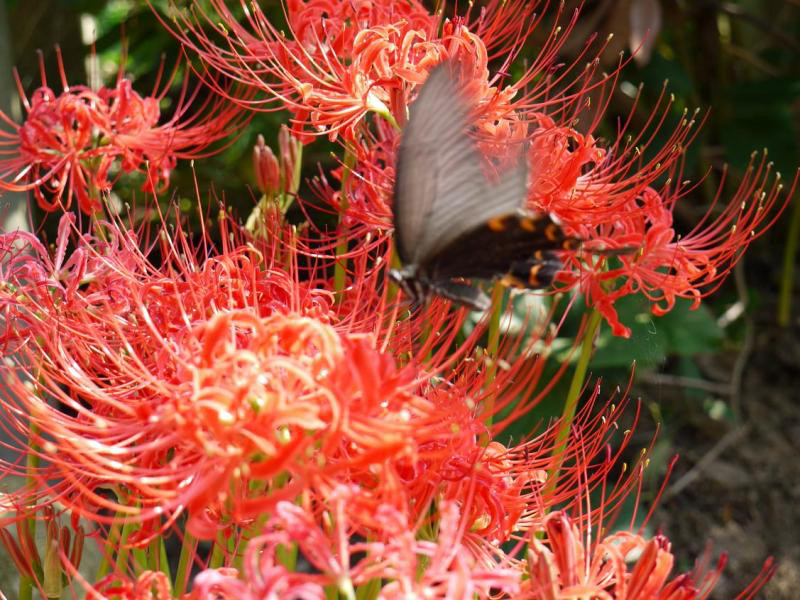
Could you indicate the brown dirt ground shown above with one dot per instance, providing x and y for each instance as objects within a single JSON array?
[{"x": 745, "y": 491}]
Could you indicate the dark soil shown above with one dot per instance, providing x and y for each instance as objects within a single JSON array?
[{"x": 743, "y": 488}]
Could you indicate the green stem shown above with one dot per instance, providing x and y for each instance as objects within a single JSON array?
[
  {"x": 340, "y": 269},
  {"x": 287, "y": 556},
  {"x": 98, "y": 228},
  {"x": 184, "y": 563},
  {"x": 111, "y": 542},
  {"x": 140, "y": 559},
  {"x": 288, "y": 197},
  {"x": 298, "y": 169},
  {"x": 571, "y": 405},
  {"x": 31, "y": 466},
  {"x": 121, "y": 563},
  {"x": 390, "y": 119},
  {"x": 394, "y": 263},
  {"x": 492, "y": 347},
  {"x": 218, "y": 552},
  {"x": 156, "y": 553},
  {"x": 162, "y": 556},
  {"x": 787, "y": 278},
  {"x": 369, "y": 591},
  {"x": 25, "y": 587}
]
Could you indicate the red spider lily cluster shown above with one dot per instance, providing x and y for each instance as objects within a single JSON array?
[
  {"x": 347, "y": 61},
  {"x": 271, "y": 393},
  {"x": 76, "y": 144}
]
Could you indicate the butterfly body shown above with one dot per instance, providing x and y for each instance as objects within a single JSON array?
[{"x": 451, "y": 222}]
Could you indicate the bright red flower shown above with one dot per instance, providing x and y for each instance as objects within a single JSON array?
[
  {"x": 660, "y": 263},
  {"x": 346, "y": 59},
  {"x": 163, "y": 374},
  {"x": 149, "y": 585},
  {"x": 622, "y": 565},
  {"x": 223, "y": 386},
  {"x": 411, "y": 567},
  {"x": 77, "y": 143},
  {"x": 609, "y": 198},
  {"x": 182, "y": 383}
]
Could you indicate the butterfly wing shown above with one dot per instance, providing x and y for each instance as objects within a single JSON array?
[
  {"x": 500, "y": 246},
  {"x": 441, "y": 193}
]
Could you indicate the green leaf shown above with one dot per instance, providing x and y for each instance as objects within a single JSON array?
[
  {"x": 681, "y": 332},
  {"x": 646, "y": 345},
  {"x": 690, "y": 332}
]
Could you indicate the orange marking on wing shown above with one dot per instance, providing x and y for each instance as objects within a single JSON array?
[
  {"x": 552, "y": 232},
  {"x": 533, "y": 278},
  {"x": 511, "y": 281},
  {"x": 497, "y": 224}
]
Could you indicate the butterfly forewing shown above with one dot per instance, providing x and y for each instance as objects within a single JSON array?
[{"x": 441, "y": 192}]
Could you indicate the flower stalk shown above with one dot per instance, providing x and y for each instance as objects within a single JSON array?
[
  {"x": 573, "y": 396},
  {"x": 188, "y": 548},
  {"x": 492, "y": 348},
  {"x": 340, "y": 267},
  {"x": 32, "y": 462}
]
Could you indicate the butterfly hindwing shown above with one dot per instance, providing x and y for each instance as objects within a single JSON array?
[{"x": 496, "y": 248}]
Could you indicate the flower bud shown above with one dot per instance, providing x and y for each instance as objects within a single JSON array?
[
  {"x": 53, "y": 584},
  {"x": 65, "y": 539},
  {"x": 266, "y": 168},
  {"x": 21, "y": 561},
  {"x": 77, "y": 548},
  {"x": 289, "y": 151},
  {"x": 27, "y": 543}
]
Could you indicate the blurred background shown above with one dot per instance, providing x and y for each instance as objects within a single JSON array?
[{"x": 719, "y": 383}]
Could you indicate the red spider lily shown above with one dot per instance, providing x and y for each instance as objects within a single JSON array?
[
  {"x": 168, "y": 375},
  {"x": 308, "y": 73},
  {"x": 149, "y": 585},
  {"x": 200, "y": 385},
  {"x": 182, "y": 383},
  {"x": 77, "y": 143},
  {"x": 440, "y": 568},
  {"x": 442, "y": 456},
  {"x": 451, "y": 569},
  {"x": 606, "y": 197},
  {"x": 442, "y": 557},
  {"x": 122, "y": 327},
  {"x": 565, "y": 563},
  {"x": 562, "y": 565},
  {"x": 347, "y": 59},
  {"x": 196, "y": 376},
  {"x": 667, "y": 265},
  {"x": 507, "y": 490}
]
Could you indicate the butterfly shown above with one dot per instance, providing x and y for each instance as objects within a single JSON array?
[{"x": 450, "y": 222}]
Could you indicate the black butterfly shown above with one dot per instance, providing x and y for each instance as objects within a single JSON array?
[{"x": 450, "y": 222}]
